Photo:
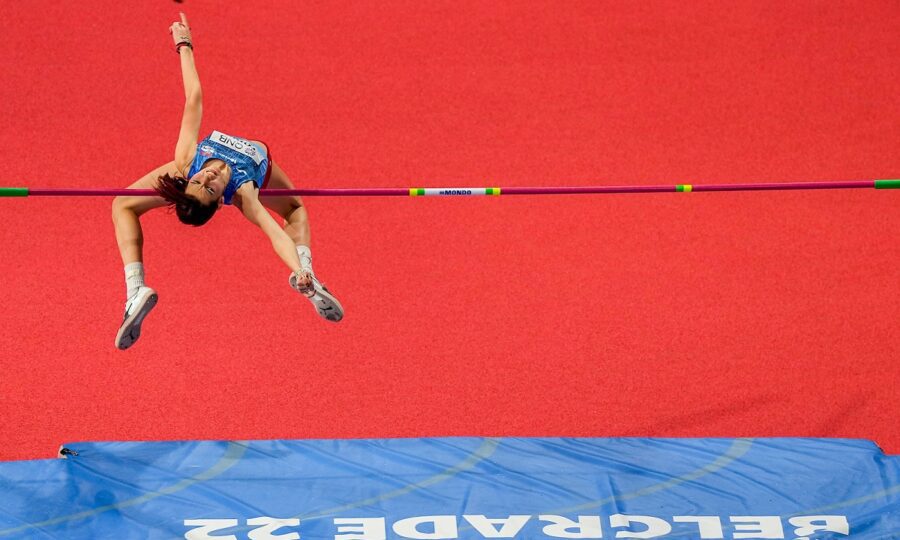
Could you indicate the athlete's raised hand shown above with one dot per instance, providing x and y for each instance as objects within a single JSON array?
[{"x": 181, "y": 32}]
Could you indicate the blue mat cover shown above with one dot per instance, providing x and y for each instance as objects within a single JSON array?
[{"x": 449, "y": 488}]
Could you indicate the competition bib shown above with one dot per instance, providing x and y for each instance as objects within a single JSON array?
[{"x": 238, "y": 145}]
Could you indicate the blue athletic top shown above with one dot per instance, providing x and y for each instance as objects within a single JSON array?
[{"x": 249, "y": 162}]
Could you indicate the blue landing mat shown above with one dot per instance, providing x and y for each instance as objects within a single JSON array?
[{"x": 448, "y": 488}]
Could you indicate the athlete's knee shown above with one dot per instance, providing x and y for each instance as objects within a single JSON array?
[
  {"x": 290, "y": 206},
  {"x": 118, "y": 204},
  {"x": 295, "y": 213}
]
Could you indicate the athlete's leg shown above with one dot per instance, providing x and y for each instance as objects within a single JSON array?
[
  {"x": 296, "y": 224},
  {"x": 291, "y": 209},
  {"x": 126, "y": 213},
  {"x": 296, "y": 219}
]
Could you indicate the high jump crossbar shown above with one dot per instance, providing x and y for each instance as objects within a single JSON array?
[{"x": 464, "y": 191}]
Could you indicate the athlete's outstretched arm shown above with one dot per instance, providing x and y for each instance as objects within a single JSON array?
[{"x": 193, "y": 95}]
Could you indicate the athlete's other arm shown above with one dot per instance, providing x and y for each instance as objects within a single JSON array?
[{"x": 257, "y": 214}]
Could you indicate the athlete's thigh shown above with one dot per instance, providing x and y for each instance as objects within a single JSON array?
[
  {"x": 283, "y": 206},
  {"x": 142, "y": 204},
  {"x": 149, "y": 180}
]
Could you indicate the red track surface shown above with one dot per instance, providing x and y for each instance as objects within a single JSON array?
[{"x": 745, "y": 314}]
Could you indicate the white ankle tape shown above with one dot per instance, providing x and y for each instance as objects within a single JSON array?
[
  {"x": 134, "y": 278},
  {"x": 305, "y": 257}
]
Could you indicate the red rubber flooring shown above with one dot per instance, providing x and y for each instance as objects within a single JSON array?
[{"x": 702, "y": 314}]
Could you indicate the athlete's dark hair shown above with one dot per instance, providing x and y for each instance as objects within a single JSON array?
[{"x": 189, "y": 209}]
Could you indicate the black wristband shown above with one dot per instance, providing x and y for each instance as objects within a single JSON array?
[{"x": 187, "y": 44}]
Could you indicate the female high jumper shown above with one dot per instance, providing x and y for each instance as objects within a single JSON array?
[{"x": 220, "y": 169}]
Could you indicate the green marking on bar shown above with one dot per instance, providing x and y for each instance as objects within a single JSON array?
[
  {"x": 887, "y": 184},
  {"x": 13, "y": 191},
  {"x": 684, "y": 188}
]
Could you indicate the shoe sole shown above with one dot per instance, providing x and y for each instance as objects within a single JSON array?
[
  {"x": 328, "y": 306},
  {"x": 131, "y": 327}
]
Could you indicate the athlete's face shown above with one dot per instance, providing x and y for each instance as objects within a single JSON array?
[{"x": 208, "y": 185}]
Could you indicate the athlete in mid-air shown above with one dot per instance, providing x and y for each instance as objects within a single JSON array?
[{"x": 205, "y": 174}]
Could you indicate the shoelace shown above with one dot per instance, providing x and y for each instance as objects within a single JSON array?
[{"x": 306, "y": 290}]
